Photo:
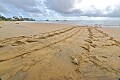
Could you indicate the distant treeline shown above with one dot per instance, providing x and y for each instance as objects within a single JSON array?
[{"x": 15, "y": 18}]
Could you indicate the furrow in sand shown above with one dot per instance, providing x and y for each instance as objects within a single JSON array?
[
  {"x": 42, "y": 47},
  {"x": 67, "y": 37},
  {"x": 77, "y": 54},
  {"x": 17, "y": 40}
]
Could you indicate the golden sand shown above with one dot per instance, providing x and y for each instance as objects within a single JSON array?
[{"x": 58, "y": 52}]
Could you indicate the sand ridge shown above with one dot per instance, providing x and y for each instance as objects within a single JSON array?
[{"x": 72, "y": 53}]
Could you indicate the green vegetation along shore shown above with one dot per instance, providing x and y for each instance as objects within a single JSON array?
[{"x": 15, "y": 18}]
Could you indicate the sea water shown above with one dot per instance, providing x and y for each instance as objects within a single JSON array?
[{"x": 103, "y": 23}]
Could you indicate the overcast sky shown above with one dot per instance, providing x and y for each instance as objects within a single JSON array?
[{"x": 61, "y": 9}]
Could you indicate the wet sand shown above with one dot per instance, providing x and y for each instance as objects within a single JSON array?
[{"x": 59, "y": 52}]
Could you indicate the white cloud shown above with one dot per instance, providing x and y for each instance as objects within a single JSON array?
[
  {"x": 60, "y": 8},
  {"x": 63, "y": 6},
  {"x": 84, "y": 7}
]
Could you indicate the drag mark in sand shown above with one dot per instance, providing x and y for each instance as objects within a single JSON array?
[
  {"x": 42, "y": 47},
  {"x": 74, "y": 53}
]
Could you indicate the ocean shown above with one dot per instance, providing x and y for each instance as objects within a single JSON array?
[{"x": 103, "y": 23}]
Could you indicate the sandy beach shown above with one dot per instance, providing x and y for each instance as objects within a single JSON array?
[{"x": 44, "y": 51}]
